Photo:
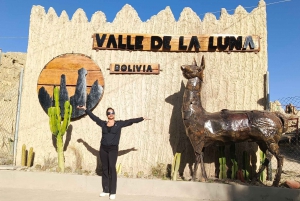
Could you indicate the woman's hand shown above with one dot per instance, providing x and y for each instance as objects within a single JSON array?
[
  {"x": 145, "y": 118},
  {"x": 133, "y": 149},
  {"x": 81, "y": 107}
]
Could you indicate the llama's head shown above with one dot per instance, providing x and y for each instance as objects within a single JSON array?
[{"x": 192, "y": 71}]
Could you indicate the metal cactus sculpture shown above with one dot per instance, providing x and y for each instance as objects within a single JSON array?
[
  {"x": 59, "y": 127},
  {"x": 205, "y": 129}
]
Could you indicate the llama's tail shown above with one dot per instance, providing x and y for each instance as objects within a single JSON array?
[{"x": 284, "y": 121}]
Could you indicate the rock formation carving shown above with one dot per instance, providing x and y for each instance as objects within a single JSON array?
[
  {"x": 79, "y": 98},
  {"x": 63, "y": 94}
]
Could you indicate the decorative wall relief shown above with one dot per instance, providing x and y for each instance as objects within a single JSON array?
[{"x": 80, "y": 81}]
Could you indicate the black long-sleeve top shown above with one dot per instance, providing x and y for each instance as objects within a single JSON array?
[{"x": 112, "y": 136}]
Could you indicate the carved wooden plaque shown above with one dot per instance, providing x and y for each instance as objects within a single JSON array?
[{"x": 79, "y": 78}]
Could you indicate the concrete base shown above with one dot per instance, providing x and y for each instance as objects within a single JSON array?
[
  {"x": 145, "y": 187},
  {"x": 7, "y": 167}
]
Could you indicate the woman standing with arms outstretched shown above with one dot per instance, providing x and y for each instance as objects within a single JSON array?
[{"x": 111, "y": 133}]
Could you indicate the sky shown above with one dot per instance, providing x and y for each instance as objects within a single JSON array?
[{"x": 283, "y": 26}]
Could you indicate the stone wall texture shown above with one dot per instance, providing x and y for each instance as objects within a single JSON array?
[
  {"x": 11, "y": 64},
  {"x": 234, "y": 81}
]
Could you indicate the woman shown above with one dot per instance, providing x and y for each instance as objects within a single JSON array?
[{"x": 111, "y": 132}]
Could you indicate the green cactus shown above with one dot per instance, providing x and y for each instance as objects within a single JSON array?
[
  {"x": 262, "y": 176},
  {"x": 24, "y": 155},
  {"x": 234, "y": 167},
  {"x": 246, "y": 165},
  {"x": 30, "y": 157},
  {"x": 175, "y": 166},
  {"x": 222, "y": 161},
  {"x": 58, "y": 129},
  {"x": 119, "y": 168}
]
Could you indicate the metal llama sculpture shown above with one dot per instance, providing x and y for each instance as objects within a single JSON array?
[{"x": 219, "y": 128}]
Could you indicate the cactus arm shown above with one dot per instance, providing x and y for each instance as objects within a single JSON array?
[
  {"x": 57, "y": 108},
  {"x": 222, "y": 161},
  {"x": 246, "y": 165},
  {"x": 222, "y": 174},
  {"x": 52, "y": 121},
  {"x": 234, "y": 167},
  {"x": 119, "y": 168},
  {"x": 67, "y": 117},
  {"x": 173, "y": 166},
  {"x": 178, "y": 158},
  {"x": 176, "y": 164},
  {"x": 262, "y": 159}
]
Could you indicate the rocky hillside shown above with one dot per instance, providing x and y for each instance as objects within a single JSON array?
[{"x": 11, "y": 64}]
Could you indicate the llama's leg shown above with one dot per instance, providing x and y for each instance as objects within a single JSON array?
[
  {"x": 263, "y": 166},
  {"x": 196, "y": 165},
  {"x": 263, "y": 148},
  {"x": 199, "y": 158},
  {"x": 274, "y": 149},
  {"x": 202, "y": 166}
]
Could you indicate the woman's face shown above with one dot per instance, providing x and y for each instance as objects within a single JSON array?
[{"x": 110, "y": 114}]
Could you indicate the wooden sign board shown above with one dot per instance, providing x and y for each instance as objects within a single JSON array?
[
  {"x": 176, "y": 43},
  {"x": 69, "y": 64},
  {"x": 134, "y": 68}
]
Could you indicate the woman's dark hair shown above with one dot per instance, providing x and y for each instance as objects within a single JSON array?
[{"x": 110, "y": 109}]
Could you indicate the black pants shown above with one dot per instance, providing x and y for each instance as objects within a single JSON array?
[{"x": 108, "y": 157}]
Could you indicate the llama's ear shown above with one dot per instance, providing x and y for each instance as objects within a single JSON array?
[
  {"x": 203, "y": 62},
  {"x": 194, "y": 62},
  {"x": 201, "y": 76}
]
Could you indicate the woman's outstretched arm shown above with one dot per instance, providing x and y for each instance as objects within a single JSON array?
[
  {"x": 92, "y": 116},
  {"x": 129, "y": 122}
]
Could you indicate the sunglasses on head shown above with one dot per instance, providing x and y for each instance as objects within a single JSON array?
[{"x": 108, "y": 113}]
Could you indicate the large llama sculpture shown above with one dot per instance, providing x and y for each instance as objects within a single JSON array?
[{"x": 219, "y": 128}]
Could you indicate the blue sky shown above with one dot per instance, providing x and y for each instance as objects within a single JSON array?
[{"x": 282, "y": 23}]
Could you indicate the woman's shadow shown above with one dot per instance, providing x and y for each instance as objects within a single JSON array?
[{"x": 96, "y": 153}]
